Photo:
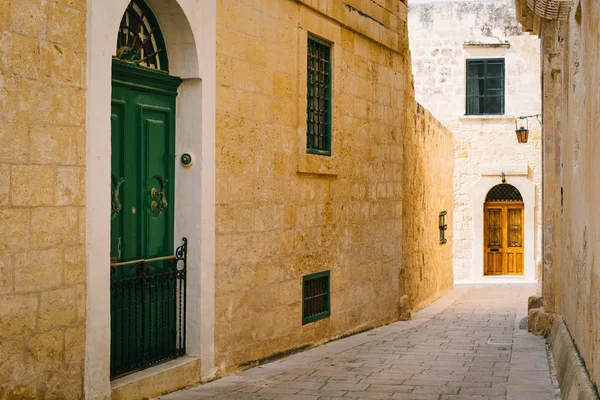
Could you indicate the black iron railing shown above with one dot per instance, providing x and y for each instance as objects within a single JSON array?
[{"x": 148, "y": 305}]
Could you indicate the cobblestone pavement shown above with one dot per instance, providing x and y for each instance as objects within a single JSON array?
[{"x": 467, "y": 345}]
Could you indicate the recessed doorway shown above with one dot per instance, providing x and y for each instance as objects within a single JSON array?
[{"x": 503, "y": 231}]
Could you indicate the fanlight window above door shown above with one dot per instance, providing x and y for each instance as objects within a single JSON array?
[
  {"x": 504, "y": 192},
  {"x": 140, "y": 41}
]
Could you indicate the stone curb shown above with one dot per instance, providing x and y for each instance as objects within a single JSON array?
[{"x": 573, "y": 378}]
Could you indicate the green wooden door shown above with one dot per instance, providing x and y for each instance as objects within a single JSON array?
[{"x": 142, "y": 217}]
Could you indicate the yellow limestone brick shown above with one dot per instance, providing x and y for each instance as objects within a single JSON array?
[
  {"x": 14, "y": 228},
  {"x": 74, "y": 344},
  {"x": 47, "y": 347},
  {"x": 71, "y": 186},
  {"x": 81, "y": 4},
  {"x": 54, "y": 144},
  {"x": 14, "y": 137},
  {"x": 282, "y": 86},
  {"x": 71, "y": 33},
  {"x": 8, "y": 97},
  {"x": 58, "y": 308},
  {"x": 53, "y": 226},
  {"x": 290, "y": 292},
  {"x": 4, "y": 183},
  {"x": 12, "y": 367},
  {"x": 247, "y": 20},
  {"x": 61, "y": 105},
  {"x": 38, "y": 270},
  {"x": 75, "y": 265},
  {"x": 256, "y": 52},
  {"x": 227, "y": 12},
  {"x": 4, "y": 14},
  {"x": 17, "y": 315},
  {"x": 81, "y": 302},
  {"x": 28, "y": 17},
  {"x": 60, "y": 64},
  {"x": 33, "y": 185},
  {"x": 6, "y": 274},
  {"x": 18, "y": 54}
]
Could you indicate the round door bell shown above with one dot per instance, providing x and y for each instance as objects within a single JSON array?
[{"x": 186, "y": 159}]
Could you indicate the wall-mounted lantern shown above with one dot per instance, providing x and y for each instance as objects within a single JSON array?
[
  {"x": 523, "y": 132},
  {"x": 443, "y": 227}
]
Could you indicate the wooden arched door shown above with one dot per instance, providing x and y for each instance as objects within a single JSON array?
[{"x": 503, "y": 231}]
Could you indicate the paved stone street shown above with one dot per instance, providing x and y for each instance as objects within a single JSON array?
[{"x": 467, "y": 345}]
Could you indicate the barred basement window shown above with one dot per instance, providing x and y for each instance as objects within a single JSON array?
[
  {"x": 318, "y": 98},
  {"x": 485, "y": 87},
  {"x": 315, "y": 297}
]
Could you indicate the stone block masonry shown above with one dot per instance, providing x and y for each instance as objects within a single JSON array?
[
  {"x": 283, "y": 214},
  {"x": 42, "y": 198},
  {"x": 428, "y": 191}
]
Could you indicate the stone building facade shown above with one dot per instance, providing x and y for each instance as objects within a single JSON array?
[
  {"x": 220, "y": 90},
  {"x": 445, "y": 36},
  {"x": 42, "y": 200},
  {"x": 570, "y": 44}
]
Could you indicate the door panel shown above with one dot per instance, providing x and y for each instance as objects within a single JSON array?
[
  {"x": 515, "y": 240},
  {"x": 143, "y": 155},
  {"x": 503, "y": 239},
  {"x": 493, "y": 241},
  {"x": 143, "y": 316}
]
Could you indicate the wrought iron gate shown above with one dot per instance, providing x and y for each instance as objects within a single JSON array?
[{"x": 147, "y": 312}]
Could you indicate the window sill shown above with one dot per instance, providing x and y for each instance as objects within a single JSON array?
[
  {"x": 317, "y": 164},
  {"x": 485, "y": 117}
]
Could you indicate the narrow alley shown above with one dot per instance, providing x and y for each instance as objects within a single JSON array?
[{"x": 466, "y": 345}]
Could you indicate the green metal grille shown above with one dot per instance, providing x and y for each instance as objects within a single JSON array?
[
  {"x": 315, "y": 297},
  {"x": 318, "y": 101}
]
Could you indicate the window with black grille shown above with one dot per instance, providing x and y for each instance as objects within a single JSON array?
[
  {"x": 485, "y": 87},
  {"x": 315, "y": 297},
  {"x": 318, "y": 97},
  {"x": 504, "y": 192}
]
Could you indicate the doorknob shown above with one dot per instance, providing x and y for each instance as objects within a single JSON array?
[{"x": 160, "y": 204}]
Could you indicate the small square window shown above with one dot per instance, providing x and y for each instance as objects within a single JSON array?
[
  {"x": 315, "y": 297},
  {"x": 318, "y": 98},
  {"x": 485, "y": 87}
]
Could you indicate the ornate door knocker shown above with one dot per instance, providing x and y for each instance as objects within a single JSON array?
[
  {"x": 116, "y": 202},
  {"x": 161, "y": 203}
]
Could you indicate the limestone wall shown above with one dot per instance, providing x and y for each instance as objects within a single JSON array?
[
  {"x": 570, "y": 53},
  {"x": 579, "y": 277},
  {"x": 42, "y": 198},
  {"x": 283, "y": 214},
  {"x": 428, "y": 190},
  {"x": 443, "y": 35}
]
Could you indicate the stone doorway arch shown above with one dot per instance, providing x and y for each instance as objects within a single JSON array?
[
  {"x": 491, "y": 176},
  {"x": 189, "y": 29}
]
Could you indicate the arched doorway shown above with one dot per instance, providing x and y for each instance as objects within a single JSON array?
[
  {"x": 503, "y": 231},
  {"x": 147, "y": 281},
  {"x": 189, "y": 30}
]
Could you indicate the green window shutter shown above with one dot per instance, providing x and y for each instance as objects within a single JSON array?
[
  {"x": 318, "y": 98},
  {"x": 315, "y": 297},
  {"x": 485, "y": 87}
]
